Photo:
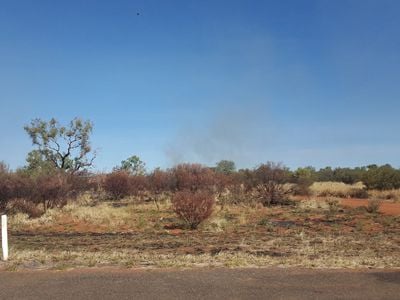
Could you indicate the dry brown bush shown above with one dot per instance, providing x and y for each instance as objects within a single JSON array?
[
  {"x": 302, "y": 189},
  {"x": 117, "y": 184},
  {"x": 271, "y": 172},
  {"x": 19, "y": 205},
  {"x": 273, "y": 193},
  {"x": 80, "y": 183},
  {"x": 386, "y": 194},
  {"x": 161, "y": 181},
  {"x": 138, "y": 184},
  {"x": 270, "y": 178},
  {"x": 193, "y": 207},
  {"x": 5, "y": 191},
  {"x": 193, "y": 177},
  {"x": 373, "y": 206},
  {"x": 247, "y": 179},
  {"x": 52, "y": 190},
  {"x": 14, "y": 185},
  {"x": 225, "y": 181}
]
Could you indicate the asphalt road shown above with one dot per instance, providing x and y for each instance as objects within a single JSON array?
[{"x": 268, "y": 283}]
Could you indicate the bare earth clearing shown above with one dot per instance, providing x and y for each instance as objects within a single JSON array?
[
  {"x": 309, "y": 234},
  {"x": 386, "y": 208}
]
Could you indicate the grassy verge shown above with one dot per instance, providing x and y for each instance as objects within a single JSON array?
[{"x": 310, "y": 234}]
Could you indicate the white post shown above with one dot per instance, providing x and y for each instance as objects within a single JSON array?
[{"x": 4, "y": 237}]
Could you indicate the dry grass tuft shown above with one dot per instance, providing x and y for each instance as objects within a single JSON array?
[
  {"x": 393, "y": 195},
  {"x": 338, "y": 189},
  {"x": 312, "y": 204},
  {"x": 102, "y": 217},
  {"x": 373, "y": 206}
]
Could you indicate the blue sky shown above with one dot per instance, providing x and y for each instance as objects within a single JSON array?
[{"x": 300, "y": 82}]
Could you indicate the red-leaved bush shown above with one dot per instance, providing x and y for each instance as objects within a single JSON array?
[
  {"x": 193, "y": 177},
  {"x": 117, "y": 184},
  {"x": 52, "y": 190},
  {"x": 80, "y": 183},
  {"x": 13, "y": 185},
  {"x": 6, "y": 189},
  {"x": 19, "y": 205},
  {"x": 161, "y": 181},
  {"x": 193, "y": 207},
  {"x": 137, "y": 184},
  {"x": 21, "y": 191}
]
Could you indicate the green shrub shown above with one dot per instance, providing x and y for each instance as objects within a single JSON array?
[{"x": 382, "y": 178}]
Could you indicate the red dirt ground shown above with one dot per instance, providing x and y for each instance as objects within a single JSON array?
[{"x": 387, "y": 208}]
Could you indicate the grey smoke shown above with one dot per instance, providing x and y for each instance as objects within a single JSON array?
[{"x": 239, "y": 134}]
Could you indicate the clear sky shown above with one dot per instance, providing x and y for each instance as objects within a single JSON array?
[{"x": 300, "y": 82}]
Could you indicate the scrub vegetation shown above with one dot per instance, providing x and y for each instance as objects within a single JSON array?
[{"x": 63, "y": 215}]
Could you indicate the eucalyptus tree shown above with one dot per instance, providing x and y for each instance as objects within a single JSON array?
[{"x": 66, "y": 148}]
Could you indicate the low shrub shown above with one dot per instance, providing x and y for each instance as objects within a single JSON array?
[
  {"x": 193, "y": 177},
  {"x": 301, "y": 189},
  {"x": 358, "y": 193},
  {"x": 236, "y": 195},
  {"x": 373, "y": 206},
  {"x": 117, "y": 184},
  {"x": 80, "y": 183},
  {"x": 24, "y": 206},
  {"x": 273, "y": 193},
  {"x": 137, "y": 184},
  {"x": 5, "y": 191},
  {"x": 270, "y": 172},
  {"x": 333, "y": 205},
  {"x": 193, "y": 207},
  {"x": 14, "y": 185},
  {"x": 267, "y": 183},
  {"x": 161, "y": 181},
  {"x": 386, "y": 195},
  {"x": 52, "y": 190},
  {"x": 223, "y": 182}
]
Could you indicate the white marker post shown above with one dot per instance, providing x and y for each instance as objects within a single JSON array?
[{"x": 4, "y": 236}]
